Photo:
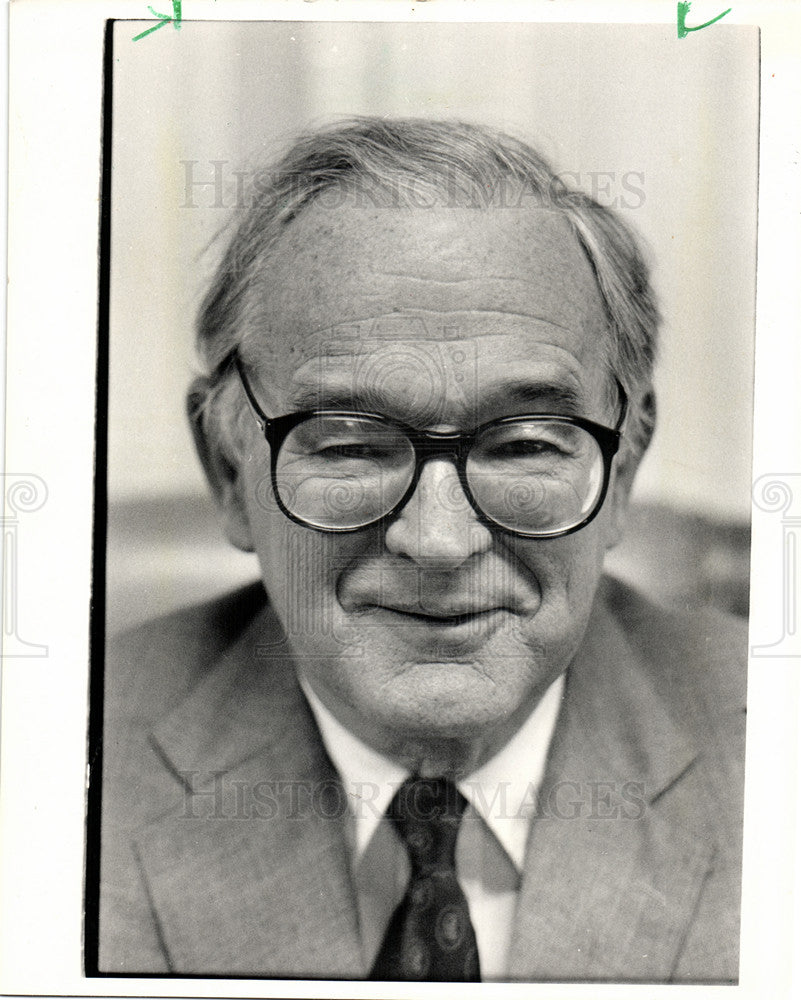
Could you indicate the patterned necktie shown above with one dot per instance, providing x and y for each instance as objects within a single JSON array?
[{"x": 430, "y": 937}]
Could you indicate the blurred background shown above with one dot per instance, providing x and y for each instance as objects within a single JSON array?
[{"x": 664, "y": 131}]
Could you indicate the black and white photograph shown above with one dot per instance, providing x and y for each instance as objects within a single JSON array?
[
  {"x": 446, "y": 286},
  {"x": 424, "y": 595}
]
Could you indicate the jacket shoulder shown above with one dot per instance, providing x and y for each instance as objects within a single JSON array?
[
  {"x": 696, "y": 657},
  {"x": 150, "y": 668}
]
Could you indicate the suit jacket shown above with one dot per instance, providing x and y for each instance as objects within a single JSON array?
[{"x": 223, "y": 847}]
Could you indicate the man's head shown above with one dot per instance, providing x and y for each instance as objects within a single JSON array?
[{"x": 439, "y": 276}]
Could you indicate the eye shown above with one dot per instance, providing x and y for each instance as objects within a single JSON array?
[
  {"x": 525, "y": 447},
  {"x": 541, "y": 443},
  {"x": 526, "y": 444},
  {"x": 354, "y": 449}
]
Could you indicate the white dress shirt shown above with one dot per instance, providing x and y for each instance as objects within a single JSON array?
[{"x": 490, "y": 850}]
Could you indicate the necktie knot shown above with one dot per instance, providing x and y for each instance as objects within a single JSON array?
[{"x": 426, "y": 813}]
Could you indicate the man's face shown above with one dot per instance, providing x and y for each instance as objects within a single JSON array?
[{"x": 433, "y": 629}]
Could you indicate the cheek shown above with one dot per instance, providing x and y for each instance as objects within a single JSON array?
[
  {"x": 566, "y": 569},
  {"x": 300, "y": 569}
]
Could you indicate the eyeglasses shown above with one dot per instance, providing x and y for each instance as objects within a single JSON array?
[{"x": 536, "y": 476}]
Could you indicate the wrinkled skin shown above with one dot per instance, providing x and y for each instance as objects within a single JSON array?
[{"x": 440, "y": 318}]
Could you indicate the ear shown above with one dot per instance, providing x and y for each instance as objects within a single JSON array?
[
  {"x": 626, "y": 464},
  {"x": 222, "y": 472}
]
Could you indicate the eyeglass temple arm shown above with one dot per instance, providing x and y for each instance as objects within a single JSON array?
[
  {"x": 261, "y": 417},
  {"x": 624, "y": 406}
]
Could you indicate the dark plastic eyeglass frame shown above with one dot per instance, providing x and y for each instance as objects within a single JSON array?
[{"x": 428, "y": 445}]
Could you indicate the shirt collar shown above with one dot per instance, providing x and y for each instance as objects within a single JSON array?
[{"x": 502, "y": 791}]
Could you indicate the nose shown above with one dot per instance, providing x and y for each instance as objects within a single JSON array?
[{"x": 438, "y": 529}]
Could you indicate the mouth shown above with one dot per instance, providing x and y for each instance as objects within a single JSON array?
[
  {"x": 437, "y": 629},
  {"x": 441, "y": 619},
  {"x": 422, "y": 625}
]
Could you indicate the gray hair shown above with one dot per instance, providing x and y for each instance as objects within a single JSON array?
[{"x": 394, "y": 160}]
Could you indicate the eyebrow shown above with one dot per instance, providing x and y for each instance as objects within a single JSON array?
[{"x": 561, "y": 397}]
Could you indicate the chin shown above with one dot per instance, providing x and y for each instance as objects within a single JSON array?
[{"x": 445, "y": 700}]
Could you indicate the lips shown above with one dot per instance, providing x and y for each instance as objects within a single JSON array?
[
  {"x": 481, "y": 593},
  {"x": 439, "y": 615},
  {"x": 433, "y": 608}
]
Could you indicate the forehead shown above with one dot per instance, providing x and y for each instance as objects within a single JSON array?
[{"x": 493, "y": 289}]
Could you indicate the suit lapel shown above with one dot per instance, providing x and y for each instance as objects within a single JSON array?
[
  {"x": 612, "y": 873},
  {"x": 249, "y": 874}
]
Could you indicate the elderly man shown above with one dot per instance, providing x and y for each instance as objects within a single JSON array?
[{"x": 434, "y": 742}]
